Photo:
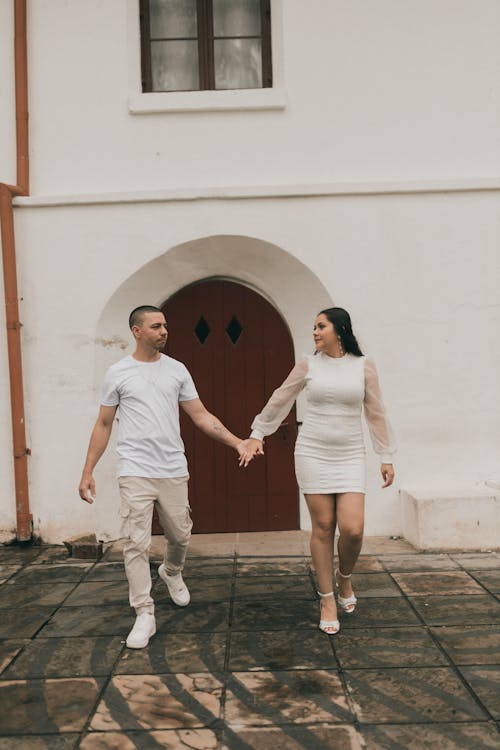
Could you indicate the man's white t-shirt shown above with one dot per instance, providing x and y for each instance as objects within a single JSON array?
[{"x": 148, "y": 395}]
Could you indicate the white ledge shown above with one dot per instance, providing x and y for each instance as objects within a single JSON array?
[
  {"x": 206, "y": 101},
  {"x": 254, "y": 192}
]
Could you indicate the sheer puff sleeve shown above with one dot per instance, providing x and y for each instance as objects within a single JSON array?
[
  {"x": 380, "y": 430},
  {"x": 280, "y": 402}
]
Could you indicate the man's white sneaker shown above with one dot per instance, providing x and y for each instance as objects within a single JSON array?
[
  {"x": 176, "y": 587},
  {"x": 144, "y": 628}
]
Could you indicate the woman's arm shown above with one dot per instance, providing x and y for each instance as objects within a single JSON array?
[
  {"x": 381, "y": 433},
  {"x": 280, "y": 402}
]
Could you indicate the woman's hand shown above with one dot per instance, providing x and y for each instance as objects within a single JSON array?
[
  {"x": 387, "y": 471},
  {"x": 248, "y": 449}
]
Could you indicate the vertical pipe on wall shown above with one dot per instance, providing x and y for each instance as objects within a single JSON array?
[
  {"x": 23, "y": 515},
  {"x": 7, "y": 192},
  {"x": 21, "y": 89}
]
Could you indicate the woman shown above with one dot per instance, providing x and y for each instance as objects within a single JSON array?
[{"x": 330, "y": 451}]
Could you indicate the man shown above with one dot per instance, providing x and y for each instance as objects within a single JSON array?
[{"x": 148, "y": 387}]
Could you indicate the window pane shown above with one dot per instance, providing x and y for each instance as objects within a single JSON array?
[
  {"x": 236, "y": 17},
  {"x": 174, "y": 66},
  {"x": 172, "y": 19},
  {"x": 238, "y": 63}
]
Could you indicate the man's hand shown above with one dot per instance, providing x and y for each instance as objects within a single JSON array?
[
  {"x": 248, "y": 449},
  {"x": 387, "y": 471},
  {"x": 86, "y": 490}
]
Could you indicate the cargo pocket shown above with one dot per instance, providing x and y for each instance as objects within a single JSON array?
[{"x": 124, "y": 514}]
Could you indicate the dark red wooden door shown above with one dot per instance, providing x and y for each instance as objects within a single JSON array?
[{"x": 238, "y": 350}]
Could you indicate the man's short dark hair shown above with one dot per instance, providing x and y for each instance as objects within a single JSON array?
[{"x": 137, "y": 315}]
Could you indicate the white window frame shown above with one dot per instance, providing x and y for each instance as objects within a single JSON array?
[{"x": 140, "y": 103}]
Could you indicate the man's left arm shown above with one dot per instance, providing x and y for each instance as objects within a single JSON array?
[{"x": 211, "y": 425}]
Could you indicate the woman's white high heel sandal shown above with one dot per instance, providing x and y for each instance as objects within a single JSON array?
[
  {"x": 346, "y": 604},
  {"x": 330, "y": 627}
]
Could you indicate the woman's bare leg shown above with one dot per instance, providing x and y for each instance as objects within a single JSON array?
[
  {"x": 350, "y": 515},
  {"x": 322, "y": 511}
]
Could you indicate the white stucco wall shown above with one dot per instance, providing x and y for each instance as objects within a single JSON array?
[
  {"x": 376, "y": 91},
  {"x": 418, "y": 272}
]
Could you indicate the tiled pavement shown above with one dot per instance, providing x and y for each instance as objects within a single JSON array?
[{"x": 244, "y": 666}]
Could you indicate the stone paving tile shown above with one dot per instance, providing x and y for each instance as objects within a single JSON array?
[
  {"x": 40, "y": 595},
  {"x": 98, "y": 592},
  {"x": 278, "y": 566},
  {"x": 456, "y": 583},
  {"x": 65, "y": 657},
  {"x": 485, "y": 682},
  {"x": 390, "y": 612},
  {"x": 39, "y": 574},
  {"x": 416, "y": 695},
  {"x": 461, "y": 736},
  {"x": 41, "y": 742},
  {"x": 293, "y": 737},
  {"x": 270, "y": 615},
  {"x": 167, "y": 739},
  {"x": 6, "y": 571},
  {"x": 457, "y": 610},
  {"x": 490, "y": 579},
  {"x": 270, "y": 549},
  {"x": 369, "y": 564},
  {"x": 376, "y": 585},
  {"x": 209, "y": 567},
  {"x": 275, "y": 650},
  {"x": 46, "y": 706},
  {"x": 198, "y": 617},
  {"x": 387, "y": 647},
  {"x": 210, "y": 550},
  {"x": 172, "y": 652},
  {"x": 113, "y": 571},
  {"x": 56, "y": 554},
  {"x": 159, "y": 702},
  {"x": 419, "y": 563},
  {"x": 472, "y": 561},
  {"x": 8, "y": 650},
  {"x": 386, "y": 545},
  {"x": 476, "y": 644},
  {"x": 23, "y": 622},
  {"x": 265, "y": 587},
  {"x": 201, "y": 589},
  {"x": 300, "y": 697},
  {"x": 89, "y": 621},
  {"x": 18, "y": 555}
]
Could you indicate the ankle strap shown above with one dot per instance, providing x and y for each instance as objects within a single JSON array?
[
  {"x": 329, "y": 594},
  {"x": 342, "y": 575}
]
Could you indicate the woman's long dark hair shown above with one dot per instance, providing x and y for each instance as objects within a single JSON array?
[{"x": 341, "y": 321}]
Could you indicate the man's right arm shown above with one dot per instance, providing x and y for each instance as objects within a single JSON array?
[{"x": 97, "y": 445}]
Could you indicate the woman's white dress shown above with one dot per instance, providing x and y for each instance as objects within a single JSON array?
[{"x": 330, "y": 449}]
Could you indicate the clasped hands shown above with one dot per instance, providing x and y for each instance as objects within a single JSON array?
[{"x": 248, "y": 449}]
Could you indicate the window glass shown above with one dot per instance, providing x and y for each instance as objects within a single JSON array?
[
  {"x": 236, "y": 18},
  {"x": 174, "y": 66},
  {"x": 172, "y": 19},
  {"x": 238, "y": 63}
]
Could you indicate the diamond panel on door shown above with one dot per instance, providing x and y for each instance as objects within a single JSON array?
[
  {"x": 234, "y": 329},
  {"x": 202, "y": 330}
]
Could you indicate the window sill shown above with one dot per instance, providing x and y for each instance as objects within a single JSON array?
[{"x": 207, "y": 101}]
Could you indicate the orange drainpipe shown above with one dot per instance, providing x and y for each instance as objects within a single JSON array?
[{"x": 7, "y": 193}]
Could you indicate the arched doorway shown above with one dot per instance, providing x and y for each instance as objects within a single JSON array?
[{"x": 238, "y": 350}]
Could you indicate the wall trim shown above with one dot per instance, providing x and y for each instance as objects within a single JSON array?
[{"x": 255, "y": 192}]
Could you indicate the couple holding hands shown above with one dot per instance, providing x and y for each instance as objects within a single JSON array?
[{"x": 148, "y": 386}]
